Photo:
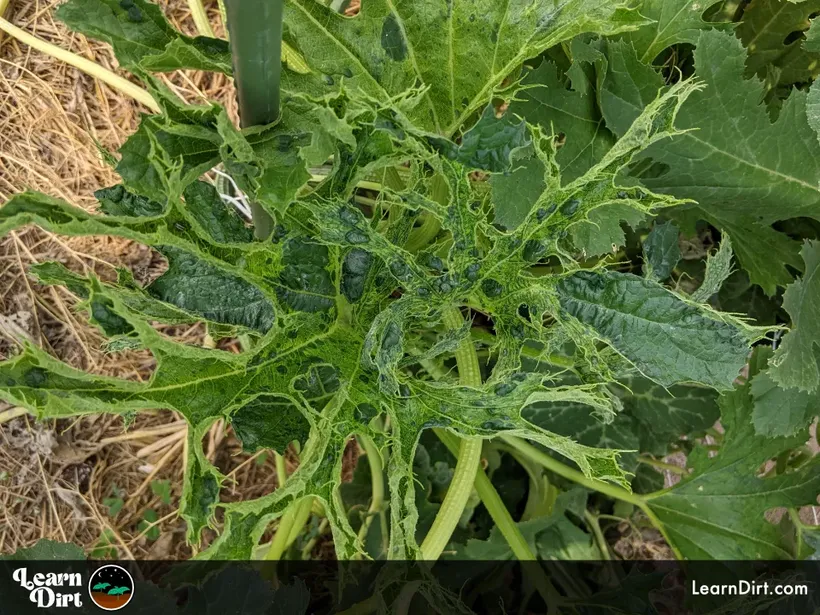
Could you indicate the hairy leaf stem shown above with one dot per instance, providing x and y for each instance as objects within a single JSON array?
[
  {"x": 203, "y": 26},
  {"x": 504, "y": 522},
  {"x": 613, "y": 491}
]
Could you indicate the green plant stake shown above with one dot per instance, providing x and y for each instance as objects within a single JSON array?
[{"x": 255, "y": 28}]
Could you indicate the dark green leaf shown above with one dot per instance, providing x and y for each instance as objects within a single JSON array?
[
  {"x": 669, "y": 340},
  {"x": 701, "y": 515},
  {"x": 794, "y": 364},
  {"x": 270, "y": 422},
  {"x": 201, "y": 288},
  {"x": 46, "y": 549},
  {"x": 661, "y": 251}
]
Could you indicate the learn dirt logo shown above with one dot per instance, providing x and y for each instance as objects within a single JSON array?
[{"x": 111, "y": 587}]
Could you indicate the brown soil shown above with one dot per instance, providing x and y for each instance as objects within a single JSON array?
[{"x": 109, "y": 602}]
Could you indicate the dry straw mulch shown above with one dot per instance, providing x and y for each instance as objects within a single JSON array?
[{"x": 59, "y": 479}]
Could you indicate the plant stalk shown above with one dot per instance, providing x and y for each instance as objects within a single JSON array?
[
  {"x": 87, "y": 66},
  {"x": 203, "y": 26},
  {"x": 469, "y": 455},
  {"x": 376, "y": 507},
  {"x": 504, "y": 522},
  {"x": 553, "y": 465},
  {"x": 255, "y": 28},
  {"x": 613, "y": 491}
]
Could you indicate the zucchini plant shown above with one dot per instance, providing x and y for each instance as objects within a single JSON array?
[{"x": 520, "y": 251}]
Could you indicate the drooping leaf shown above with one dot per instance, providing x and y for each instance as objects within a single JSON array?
[
  {"x": 198, "y": 287},
  {"x": 270, "y": 422},
  {"x": 489, "y": 144},
  {"x": 141, "y": 36}
]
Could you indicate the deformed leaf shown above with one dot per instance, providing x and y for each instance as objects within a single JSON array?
[
  {"x": 460, "y": 51},
  {"x": 669, "y": 340},
  {"x": 571, "y": 114},
  {"x": 270, "y": 422},
  {"x": 141, "y": 36},
  {"x": 718, "y": 270},
  {"x": 489, "y": 144},
  {"x": 201, "y": 288}
]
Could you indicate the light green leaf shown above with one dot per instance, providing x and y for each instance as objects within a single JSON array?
[
  {"x": 460, "y": 51},
  {"x": 768, "y": 269},
  {"x": 794, "y": 364},
  {"x": 718, "y": 270},
  {"x": 667, "y": 339}
]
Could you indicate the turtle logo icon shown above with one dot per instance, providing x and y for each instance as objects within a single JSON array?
[{"x": 111, "y": 587}]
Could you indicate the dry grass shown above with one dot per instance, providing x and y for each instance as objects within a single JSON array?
[{"x": 55, "y": 476}]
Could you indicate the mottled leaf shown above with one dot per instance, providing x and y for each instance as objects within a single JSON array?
[{"x": 669, "y": 340}]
